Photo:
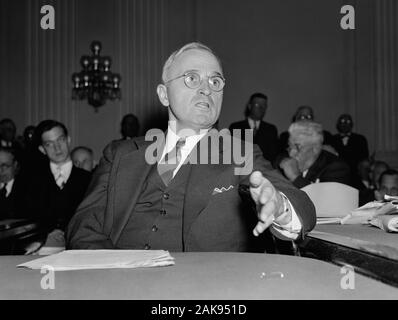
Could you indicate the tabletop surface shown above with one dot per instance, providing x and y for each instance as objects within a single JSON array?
[
  {"x": 361, "y": 232},
  {"x": 197, "y": 276},
  {"x": 361, "y": 237}
]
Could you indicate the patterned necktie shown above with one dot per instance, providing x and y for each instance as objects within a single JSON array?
[
  {"x": 170, "y": 162},
  {"x": 59, "y": 179}
]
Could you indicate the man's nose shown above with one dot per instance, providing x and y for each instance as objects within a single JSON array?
[
  {"x": 57, "y": 147},
  {"x": 205, "y": 88}
]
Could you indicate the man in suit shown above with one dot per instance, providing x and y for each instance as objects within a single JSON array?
[
  {"x": 55, "y": 190},
  {"x": 307, "y": 162},
  {"x": 8, "y": 138},
  {"x": 351, "y": 147},
  {"x": 11, "y": 186},
  {"x": 265, "y": 134},
  {"x": 129, "y": 127},
  {"x": 138, "y": 202},
  {"x": 305, "y": 113}
]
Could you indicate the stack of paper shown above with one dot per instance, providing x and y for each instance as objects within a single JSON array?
[
  {"x": 101, "y": 259},
  {"x": 369, "y": 211},
  {"x": 388, "y": 223}
]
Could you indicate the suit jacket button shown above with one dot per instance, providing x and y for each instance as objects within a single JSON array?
[
  {"x": 147, "y": 247},
  {"x": 154, "y": 228},
  {"x": 166, "y": 196}
]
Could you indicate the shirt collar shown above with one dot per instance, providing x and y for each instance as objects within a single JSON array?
[
  {"x": 9, "y": 185},
  {"x": 190, "y": 141},
  {"x": 253, "y": 123},
  {"x": 65, "y": 169}
]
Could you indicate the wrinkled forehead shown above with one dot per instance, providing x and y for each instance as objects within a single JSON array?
[
  {"x": 52, "y": 134},
  {"x": 195, "y": 59}
]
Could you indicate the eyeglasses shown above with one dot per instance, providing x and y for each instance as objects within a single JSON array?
[
  {"x": 305, "y": 117},
  {"x": 5, "y": 166},
  {"x": 193, "y": 80}
]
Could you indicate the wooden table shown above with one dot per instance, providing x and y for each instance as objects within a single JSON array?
[
  {"x": 197, "y": 276},
  {"x": 370, "y": 250}
]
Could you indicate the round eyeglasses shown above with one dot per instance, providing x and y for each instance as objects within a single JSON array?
[{"x": 193, "y": 80}]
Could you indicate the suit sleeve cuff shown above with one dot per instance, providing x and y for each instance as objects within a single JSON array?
[{"x": 293, "y": 228}]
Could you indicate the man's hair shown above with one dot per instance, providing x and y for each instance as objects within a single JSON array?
[
  {"x": 47, "y": 125},
  {"x": 8, "y": 120},
  {"x": 11, "y": 151},
  {"x": 311, "y": 131},
  {"x": 252, "y": 97},
  {"x": 302, "y": 108},
  {"x": 87, "y": 149},
  {"x": 190, "y": 46},
  {"x": 257, "y": 95},
  {"x": 388, "y": 172}
]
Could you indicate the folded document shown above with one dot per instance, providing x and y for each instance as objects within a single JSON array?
[{"x": 101, "y": 259}]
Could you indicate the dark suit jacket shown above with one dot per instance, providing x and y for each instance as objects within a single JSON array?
[
  {"x": 355, "y": 150},
  {"x": 266, "y": 137},
  {"x": 12, "y": 206},
  {"x": 327, "y": 168},
  {"x": 48, "y": 205},
  {"x": 215, "y": 219}
]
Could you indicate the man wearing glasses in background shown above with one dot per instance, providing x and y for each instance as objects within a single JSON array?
[
  {"x": 307, "y": 161},
  {"x": 179, "y": 205},
  {"x": 11, "y": 185}
]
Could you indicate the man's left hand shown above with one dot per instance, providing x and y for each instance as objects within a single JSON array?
[{"x": 269, "y": 203}]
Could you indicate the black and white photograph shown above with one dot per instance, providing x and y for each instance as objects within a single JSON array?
[{"x": 194, "y": 156}]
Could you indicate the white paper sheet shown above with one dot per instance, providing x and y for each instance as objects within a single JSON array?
[{"x": 102, "y": 259}]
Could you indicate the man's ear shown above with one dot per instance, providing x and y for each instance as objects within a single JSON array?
[
  {"x": 162, "y": 94},
  {"x": 42, "y": 150}
]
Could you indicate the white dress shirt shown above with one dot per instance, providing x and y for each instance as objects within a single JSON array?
[
  {"x": 61, "y": 172},
  {"x": 9, "y": 185},
  {"x": 290, "y": 230},
  {"x": 254, "y": 124}
]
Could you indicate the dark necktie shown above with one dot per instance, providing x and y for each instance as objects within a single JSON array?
[
  {"x": 3, "y": 192},
  {"x": 170, "y": 162}
]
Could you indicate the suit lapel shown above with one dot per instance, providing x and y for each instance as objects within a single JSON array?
[
  {"x": 316, "y": 168},
  {"x": 201, "y": 183},
  {"x": 131, "y": 173}
]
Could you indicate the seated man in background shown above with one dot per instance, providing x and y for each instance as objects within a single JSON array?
[
  {"x": 8, "y": 136},
  {"x": 308, "y": 162},
  {"x": 265, "y": 134},
  {"x": 305, "y": 113},
  {"x": 388, "y": 184},
  {"x": 83, "y": 158},
  {"x": 351, "y": 147},
  {"x": 55, "y": 190},
  {"x": 11, "y": 185},
  {"x": 129, "y": 127}
]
